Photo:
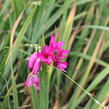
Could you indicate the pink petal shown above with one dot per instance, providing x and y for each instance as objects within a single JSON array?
[
  {"x": 37, "y": 66},
  {"x": 49, "y": 60},
  {"x": 28, "y": 83},
  {"x": 63, "y": 70},
  {"x": 37, "y": 87},
  {"x": 60, "y": 44},
  {"x": 65, "y": 52},
  {"x": 31, "y": 61},
  {"x": 52, "y": 39},
  {"x": 45, "y": 49},
  {"x": 62, "y": 66},
  {"x": 33, "y": 80},
  {"x": 45, "y": 55}
]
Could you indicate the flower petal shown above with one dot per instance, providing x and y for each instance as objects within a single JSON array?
[
  {"x": 60, "y": 44},
  {"x": 37, "y": 66},
  {"x": 61, "y": 65},
  {"x": 33, "y": 80},
  {"x": 52, "y": 39},
  {"x": 31, "y": 61}
]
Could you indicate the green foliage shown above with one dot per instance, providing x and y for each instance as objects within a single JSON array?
[{"x": 82, "y": 25}]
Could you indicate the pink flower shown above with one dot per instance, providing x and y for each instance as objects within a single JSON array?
[
  {"x": 46, "y": 55},
  {"x": 51, "y": 53},
  {"x": 61, "y": 65},
  {"x": 34, "y": 63},
  {"x": 33, "y": 80}
]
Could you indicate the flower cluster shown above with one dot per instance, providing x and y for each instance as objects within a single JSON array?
[{"x": 53, "y": 53}]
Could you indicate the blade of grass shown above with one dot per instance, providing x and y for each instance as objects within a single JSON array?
[
  {"x": 34, "y": 97},
  {"x": 90, "y": 65},
  {"x": 85, "y": 91},
  {"x": 94, "y": 83},
  {"x": 80, "y": 62},
  {"x": 18, "y": 40},
  {"x": 87, "y": 57},
  {"x": 68, "y": 25},
  {"x": 19, "y": 6}
]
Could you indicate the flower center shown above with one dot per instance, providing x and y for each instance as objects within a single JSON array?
[
  {"x": 46, "y": 55},
  {"x": 56, "y": 53}
]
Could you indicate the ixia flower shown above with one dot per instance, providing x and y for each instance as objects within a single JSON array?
[
  {"x": 53, "y": 53},
  {"x": 46, "y": 55},
  {"x": 32, "y": 80}
]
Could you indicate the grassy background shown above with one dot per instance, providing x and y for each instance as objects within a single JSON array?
[{"x": 82, "y": 25}]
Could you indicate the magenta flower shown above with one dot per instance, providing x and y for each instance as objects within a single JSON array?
[
  {"x": 33, "y": 80},
  {"x": 53, "y": 53},
  {"x": 46, "y": 55},
  {"x": 34, "y": 63}
]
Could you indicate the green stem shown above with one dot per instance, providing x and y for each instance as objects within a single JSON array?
[{"x": 45, "y": 76}]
